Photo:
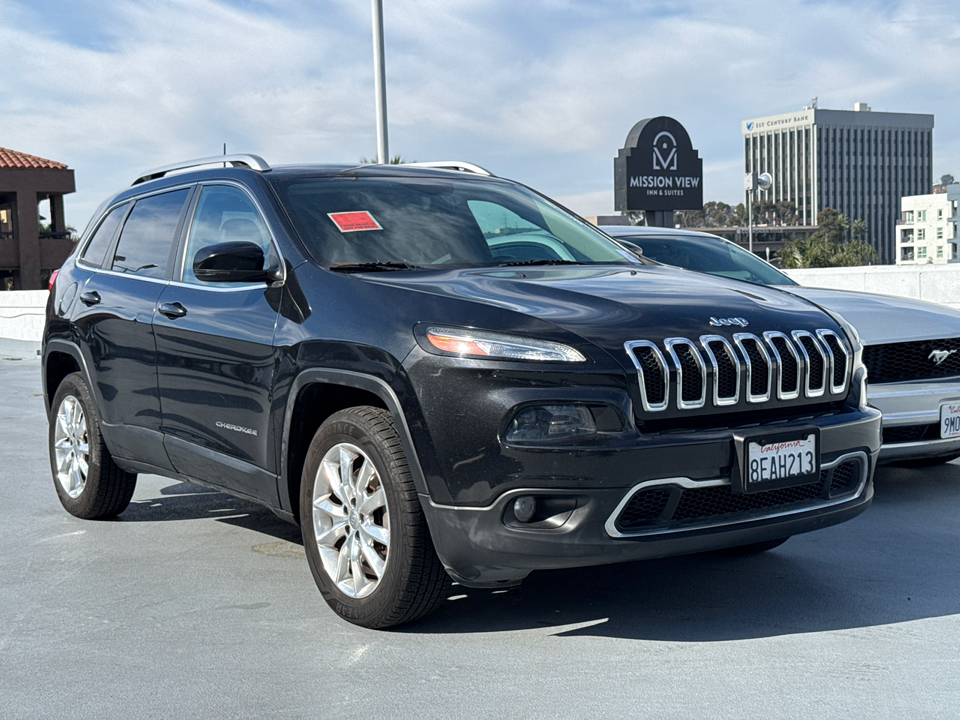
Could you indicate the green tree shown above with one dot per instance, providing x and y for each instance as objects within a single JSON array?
[
  {"x": 739, "y": 215},
  {"x": 689, "y": 218},
  {"x": 395, "y": 160},
  {"x": 829, "y": 246},
  {"x": 858, "y": 229},
  {"x": 717, "y": 214}
]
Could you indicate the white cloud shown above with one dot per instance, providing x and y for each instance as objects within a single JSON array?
[{"x": 544, "y": 91}]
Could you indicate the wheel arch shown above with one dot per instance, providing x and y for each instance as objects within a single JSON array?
[
  {"x": 315, "y": 395},
  {"x": 61, "y": 358}
]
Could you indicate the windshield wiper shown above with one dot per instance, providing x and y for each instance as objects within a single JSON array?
[
  {"x": 539, "y": 262},
  {"x": 373, "y": 267}
]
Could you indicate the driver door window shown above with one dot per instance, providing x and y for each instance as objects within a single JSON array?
[{"x": 224, "y": 214}]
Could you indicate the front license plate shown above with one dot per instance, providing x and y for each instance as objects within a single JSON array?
[
  {"x": 778, "y": 460},
  {"x": 950, "y": 420}
]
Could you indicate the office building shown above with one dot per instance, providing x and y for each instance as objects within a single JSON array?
[{"x": 858, "y": 162}]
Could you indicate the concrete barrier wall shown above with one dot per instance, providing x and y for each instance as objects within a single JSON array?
[
  {"x": 933, "y": 283},
  {"x": 21, "y": 322},
  {"x": 22, "y": 312}
]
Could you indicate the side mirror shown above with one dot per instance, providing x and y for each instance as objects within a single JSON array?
[{"x": 233, "y": 262}]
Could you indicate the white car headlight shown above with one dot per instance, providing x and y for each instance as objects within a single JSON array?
[{"x": 478, "y": 343}]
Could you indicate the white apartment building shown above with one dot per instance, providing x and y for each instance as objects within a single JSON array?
[{"x": 927, "y": 231}]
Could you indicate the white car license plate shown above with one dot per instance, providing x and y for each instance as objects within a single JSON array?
[
  {"x": 950, "y": 420},
  {"x": 781, "y": 462}
]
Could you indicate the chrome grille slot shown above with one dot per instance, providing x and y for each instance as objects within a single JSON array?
[
  {"x": 759, "y": 366},
  {"x": 815, "y": 360},
  {"x": 713, "y": 371},
  {"x": 654, "y": 376},
  {"x": 839, "y": 360},
  {"x": 725, "y": 369},
  {"x": 691, "y": 373},
  {"x": 788, "y": 365}
]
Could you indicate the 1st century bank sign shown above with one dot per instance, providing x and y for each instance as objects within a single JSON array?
[{"x": 658, "y": 169}]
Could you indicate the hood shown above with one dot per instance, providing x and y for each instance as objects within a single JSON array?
[
  {"x": 882, "y": 319},
  {"x": 609, "y": 305}
]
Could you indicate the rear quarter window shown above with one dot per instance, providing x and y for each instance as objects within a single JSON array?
[
  {"x": 148, "y": 234},
  {"x": 96, "y": 249}
]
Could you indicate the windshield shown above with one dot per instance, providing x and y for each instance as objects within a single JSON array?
[
  {"x": 706, "y": 255},
  {"x": 348, "y": 222}
]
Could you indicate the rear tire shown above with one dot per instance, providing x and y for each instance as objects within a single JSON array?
[
  {"x": 364, "y": 532},
  {"x": 89, "y": 483}
]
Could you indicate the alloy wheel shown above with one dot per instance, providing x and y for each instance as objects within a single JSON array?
[
  {"x": 71, "y": 447},
  {"x": 351, "y": 520}
]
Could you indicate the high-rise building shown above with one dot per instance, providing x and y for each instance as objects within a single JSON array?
[{"x": 857, "y": 161}]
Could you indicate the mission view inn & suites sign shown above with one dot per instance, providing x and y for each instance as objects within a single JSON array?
[{"x": 658, "y": 169}]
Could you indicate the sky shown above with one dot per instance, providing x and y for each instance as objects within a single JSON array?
[{"x": 540, "y": 91}]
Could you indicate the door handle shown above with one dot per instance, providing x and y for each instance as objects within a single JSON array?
[
  {"x": 90, "y": 298},
  {"x": 172, "y": 310}
]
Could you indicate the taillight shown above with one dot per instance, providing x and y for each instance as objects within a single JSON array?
[{"x": 53, "y": 278}]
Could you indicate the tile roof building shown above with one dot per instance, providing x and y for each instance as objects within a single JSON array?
[{"x": 27, "y": 255}]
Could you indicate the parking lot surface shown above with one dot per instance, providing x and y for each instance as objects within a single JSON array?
[{"x": 195, "y": 604}]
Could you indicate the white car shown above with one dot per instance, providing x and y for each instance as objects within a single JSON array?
[{"x": 910, "y": 347}]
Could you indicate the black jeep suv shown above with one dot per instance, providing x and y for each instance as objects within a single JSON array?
[{"x": 437, "y": 372}]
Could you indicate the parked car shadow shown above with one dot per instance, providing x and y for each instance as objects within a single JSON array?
[
  {"x": 186, "y": 501},
  {"x": 894, "y": 563}
]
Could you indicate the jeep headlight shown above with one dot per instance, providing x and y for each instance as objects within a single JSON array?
[{"x": 500, "y": 346}]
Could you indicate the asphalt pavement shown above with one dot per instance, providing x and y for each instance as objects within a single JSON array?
[{"x": 193, "y": 604}]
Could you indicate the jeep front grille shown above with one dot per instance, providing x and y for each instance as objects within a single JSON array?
[{"x": 711, "y": 369}]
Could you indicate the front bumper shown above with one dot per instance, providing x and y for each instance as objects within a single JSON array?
[
  {"x": 911, "y": 418},
  {"x": 582, "y": 522}
]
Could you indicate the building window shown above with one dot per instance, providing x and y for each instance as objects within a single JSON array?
[
  {"x": 939, "y": 214},
  {"x": 908, "y": 216},
  {"x": 906, "y": 254},
  {"x": 921, "y": 253},
  {"x": 939, "y": 233},
  {"x": 939, "y": 251},
  {"x": 906, "y": 236},
  {"x": 920, "y": 234}
]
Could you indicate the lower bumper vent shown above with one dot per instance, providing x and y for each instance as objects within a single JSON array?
[{"x": 672, "y": 506}]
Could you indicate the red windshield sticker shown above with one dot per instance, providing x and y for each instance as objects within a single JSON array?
[{"x": 354, "y": 221}]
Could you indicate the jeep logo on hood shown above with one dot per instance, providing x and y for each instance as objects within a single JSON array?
[{"x": 720, "y": 322}]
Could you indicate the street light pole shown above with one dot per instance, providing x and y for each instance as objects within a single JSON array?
[
  {"x": 751, "y": 183},
  {"x": 379, "y": 70}
]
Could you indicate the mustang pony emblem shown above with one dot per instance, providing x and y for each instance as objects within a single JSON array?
[{"x": 938, "y": 356}]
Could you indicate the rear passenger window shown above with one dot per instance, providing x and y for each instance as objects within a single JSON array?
[
  {"x": 224, "y": 214},
  {"x": 96, "y": 249},
  {"x": 148, "y": 234}
]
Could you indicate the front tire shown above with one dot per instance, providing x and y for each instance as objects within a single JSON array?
[
  {"x": 89, "y": 483},
  {"x": 364, "y": 532}
]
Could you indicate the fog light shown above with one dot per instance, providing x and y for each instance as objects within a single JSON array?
[
  {"x": 550, "y": 422},
  {"x": 524, "y": 508}
]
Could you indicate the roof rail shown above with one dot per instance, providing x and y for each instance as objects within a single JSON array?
[
  {"x": 254, "y": 162},
  {"x": 456, "y": 165}
]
